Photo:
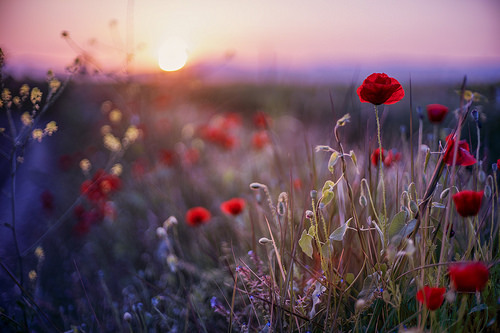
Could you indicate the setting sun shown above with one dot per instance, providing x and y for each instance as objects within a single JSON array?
[{"x": 172, "y": 54}]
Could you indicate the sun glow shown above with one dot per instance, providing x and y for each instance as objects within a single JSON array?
[{"x": 172, "y": 54}]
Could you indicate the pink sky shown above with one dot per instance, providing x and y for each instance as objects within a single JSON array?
[{"x": 287, "y": 33}]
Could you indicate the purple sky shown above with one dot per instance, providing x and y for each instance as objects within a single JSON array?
[{"x": 286, "y": 34}]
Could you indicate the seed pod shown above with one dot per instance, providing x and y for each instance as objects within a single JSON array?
[
  {"x": 264, "y": 240},
  {"x": 487, "y": 191},
  {"x": 482, "y": 176}
]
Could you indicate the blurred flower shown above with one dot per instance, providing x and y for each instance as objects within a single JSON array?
[
  {"x": 468, "y": 203},
  {"x": 50, "y": 128},
  {"x": 47, "y": 199},
  {"x": 166, "y": 157},
  {"x": 375, "y": 157},
  {"x": 436, "y": 112},
  {"x": 378, "y": 88},
  {"x": 233, "y": 206},
  {"x": 297, "y": 184},
  {"x": 463, "y": 155},
  {"x": 498, "y": 164},
  {"x": 218, "y": 136},
  {"x": 197, "y": 216},
  {"x": 391, "y": 158},
  {"x": 261, "y": 120},
  {"x": 260, "y": 139},
  {"x": 431, "y": 297},
  {"x": 100, "y": 186},
  {"x": 468, "y": 276}
]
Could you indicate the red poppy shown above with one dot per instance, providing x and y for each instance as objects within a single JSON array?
[
  {"x": 378, "y": 88},
  {"x": 468, "y": 203},
  {"x": 100, "y": 186},
  {"x": 431, "y": 297},
  {"x": 166, "y": 157},
  {"x": 376, "y": 156},
  {"x": 391, "y": 158},
  {"x": 498, "y": 164},
  {"x": 260, "y": 139},
  {"x": 233, "y": 207},
  {"x": 47, "y": 199},
  {"x": 468, "y": 276},
  {"x": 436, "y": 112},
  {"x": 261, "y": 120},
  {"x": 464, "y": 157},
  {"x": 197, "y": 216}
]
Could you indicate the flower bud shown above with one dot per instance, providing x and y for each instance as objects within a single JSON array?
[
  {"x": 257, "y": 186},
  {"x": 482, "y": 176},
  {"x": 413, "y": 207},
  {"x": 309, "y": 214},
  {"x": 487, "y": 191},
  {"x": 314, "y": 194},
  {"x": 127, "y": 317},
  {"x": 264, "y": 240}
]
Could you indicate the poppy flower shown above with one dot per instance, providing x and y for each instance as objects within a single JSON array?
[
  {"x": 436, "y": 112},
  {"x": 378, "y": 88},
  {"x": 100, "y": 186},
  {"x": 464, "y": 156},
  {"x": 197, "y": 216},
  {"x": 498, "y": 164},
  {"x": 376, "y": 156},
  {"x": 233, "y": 207},
  {"x": 468, "y": 203},
  {"x": 431, "y": 297},
  {"x": 260, "y": 139},
  {"x": 391, "y": 158},
  {"x": 261, "y": 120},
  {"x": 468, "y": 276}
]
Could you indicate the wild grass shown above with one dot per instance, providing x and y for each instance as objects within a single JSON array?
[{"x": 327, "y": 240}]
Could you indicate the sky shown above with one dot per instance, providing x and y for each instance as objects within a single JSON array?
[{"x": 284, "y": 34}]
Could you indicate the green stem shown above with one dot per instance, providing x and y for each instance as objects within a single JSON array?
[{"x": 381, "y": 170}]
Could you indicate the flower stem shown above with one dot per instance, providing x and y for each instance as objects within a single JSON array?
[{"x": 381, "y": 170}]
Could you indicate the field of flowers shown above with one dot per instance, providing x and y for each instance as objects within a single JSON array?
[{"x": 177, "y": 206}]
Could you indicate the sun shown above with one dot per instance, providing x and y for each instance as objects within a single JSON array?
[{"x": 172, "y": 54}]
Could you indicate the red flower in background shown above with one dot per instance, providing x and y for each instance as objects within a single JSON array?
[
  {"x": 47, "y": 199},
  {"x": 218, "y": 136},
  {"x": 260, "y": 139},
  {"x": 468, "y": 203},
  {"x": 468, "y": 276},
  {"x": 436, "y": 112},
  {"x": 378, "y": 88},
  {"x": 233, "y": 206},
  {"x": 197, "y": 216},
  {"x": 166, "y": 157},
  {"x": 261, "y": 120},
  {"x": 100, "y": 186},
  {"x": 388, "y": 158},
  {"x": 498, "y": 163},
  {"x": 431, "y": 297},
  {"x": 375, "y": 157},
  {"x": 464, "y": 157},
  {"x": 391, "y": 158}
]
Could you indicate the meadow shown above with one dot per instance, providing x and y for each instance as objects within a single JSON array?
[{"x": 180, "y": 206}]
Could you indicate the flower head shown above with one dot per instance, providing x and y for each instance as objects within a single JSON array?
[
  {"x": 468, "y": 203},
  {"x": 375, "y": 157},
  {"x": 436, "y": 112},
  {"x": 431, "y": 297},
  {"x": 197, "y": 216},
  {"x": 468, "y": 276},
  {"x": 233, "y": 206},
  {"x": 464, "y": 157},
  {"x": 378, "y": 88}
]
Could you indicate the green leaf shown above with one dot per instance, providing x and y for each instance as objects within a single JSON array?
[
  {"x": 338, "y": 234},
  {"x": 397, "y": 223},
  {"x": 327, "y": 249},
  {"x": 334, "y": 157},
  {"x": 305, "y": 243},
  {"x": 327, "y": 192}
]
